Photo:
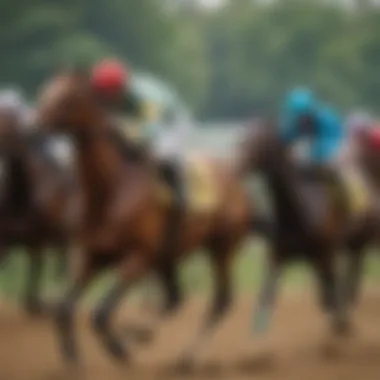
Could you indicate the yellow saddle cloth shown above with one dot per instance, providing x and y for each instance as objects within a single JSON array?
[
  {"x": 358, "y": 194},
  {"x": 201, "y": 185}
]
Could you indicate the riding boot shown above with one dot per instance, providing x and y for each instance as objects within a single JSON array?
[{"x": 134, "y": 151}]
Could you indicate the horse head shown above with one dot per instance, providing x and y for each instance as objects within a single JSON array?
[
  {"x": 261, "y": 148},
  {"x": 67, "y": 103}
]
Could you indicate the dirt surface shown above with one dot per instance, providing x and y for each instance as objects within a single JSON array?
[{"x": 300, "y": 346}]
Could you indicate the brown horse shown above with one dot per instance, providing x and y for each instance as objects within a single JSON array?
[
  {"x": 125, "y": 217},
  {"x": 363, "y": 155},
  {"x": 295, "y": 238},
  {"x": 33, "y": 202}
]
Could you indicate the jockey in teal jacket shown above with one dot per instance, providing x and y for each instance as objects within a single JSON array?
[{"x": 304, "y": 117}]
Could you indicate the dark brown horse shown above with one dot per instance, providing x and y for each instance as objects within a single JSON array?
[
  {"x": 33, "y": 202},
  {"x": 125, "y": 217},
  {"x": 295, "y": 238}
]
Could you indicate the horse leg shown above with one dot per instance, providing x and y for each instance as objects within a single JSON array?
[
  {"x": 84, "y": 273},
  {"x": 354, "y": 274},
  {"x": 169, "y": 279},
  {"x": 327, "y": 284},
  {"x": 333, "y": 292},
  {"x": 61, "y": 261},
  {"x": 168, "y": 273},
  {"x": 221, "y": 304},
  {"x": 133, "y": 268},
  {"x": 32, "y": 301},
  {"x": 149, "y": 294},
  {"x": 144, "y": 332},
  {"x": 267, "y": 297}
]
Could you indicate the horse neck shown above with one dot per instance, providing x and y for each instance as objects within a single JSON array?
[
  {"x": 281, "y": 183},
  {"x": 102, "y": 169},
  {"x": 99, "y": 166}
]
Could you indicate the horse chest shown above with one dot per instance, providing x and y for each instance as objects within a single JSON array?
[{"x": 16, "y": 186}]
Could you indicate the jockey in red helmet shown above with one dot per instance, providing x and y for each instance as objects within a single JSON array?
[{"x": 111, "y": 81}]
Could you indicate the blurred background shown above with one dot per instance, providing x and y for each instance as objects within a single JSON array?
[
  {"x": 223, "y": 61},
  {"x": 227, "y": 59}
]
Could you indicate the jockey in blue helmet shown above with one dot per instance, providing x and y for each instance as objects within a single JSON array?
[{"x": 305, "y": 117}]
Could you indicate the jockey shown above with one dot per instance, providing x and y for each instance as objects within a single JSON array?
[
  {"x": 111, "y": 80},
  {"x": 305, "y": 118}
]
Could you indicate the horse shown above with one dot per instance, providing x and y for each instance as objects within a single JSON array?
[
  {"x": 126, "y": 207},
  {"x": 359, "y": 152},
  {"x": 33, "y": 199},
  {"x": 294, "y": 237}
]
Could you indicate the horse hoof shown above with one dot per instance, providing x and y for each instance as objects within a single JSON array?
[
  {"x": 185, "y": 366},
  {"x": 256, "y": 363},
  {"x": 34, "y": 309},
  {"x": 118, "y": 352},
  {"x": 140, "y": 335},
  {"x": 144, "y": 337},
  {"x": 72, "y": 363},
  {"x": 71, "y": 358},
  {"x": 342, "y": 328}
]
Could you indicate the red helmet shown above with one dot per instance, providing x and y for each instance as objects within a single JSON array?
[
  {"x": 374, "y": 138},
  {"x": 110, "y": 75}
]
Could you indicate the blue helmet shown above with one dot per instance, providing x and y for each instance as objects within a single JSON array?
[{"x": 300, "y": 102}]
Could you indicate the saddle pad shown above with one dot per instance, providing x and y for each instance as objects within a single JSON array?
[
  {"x": 201, "y": 186},
  {"x": 359, "y": 196}
]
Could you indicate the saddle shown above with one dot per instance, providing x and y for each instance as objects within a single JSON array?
[
  {"x": 200, "y": 182},
  {"x": 203, "y": 194},
  {"x": 357, "y": 191},
  {"x": 346, "y": 186}
]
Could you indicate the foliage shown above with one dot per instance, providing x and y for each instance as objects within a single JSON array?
[{"x": 229, "y": 62}]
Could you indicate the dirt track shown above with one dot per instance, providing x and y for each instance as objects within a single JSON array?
[{"x": 299, "y": 344}]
